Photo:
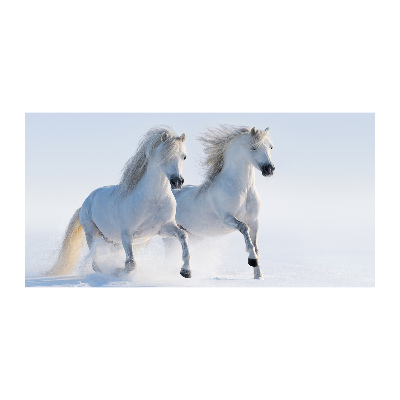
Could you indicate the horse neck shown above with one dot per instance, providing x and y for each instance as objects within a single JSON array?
[
  {"x": 236, "y": 167},
  {"x": 153, "y": 180}
]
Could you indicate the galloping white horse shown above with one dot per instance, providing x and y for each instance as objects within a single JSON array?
[
  {"x": 228, "y": 199},
  {"x": 134, "y": 211}
]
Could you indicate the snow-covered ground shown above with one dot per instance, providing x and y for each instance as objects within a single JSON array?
[{"x": 219, "y": 262}]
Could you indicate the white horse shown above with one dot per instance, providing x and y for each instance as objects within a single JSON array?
[
  {"x": 134, "y": 211},
  {"x": 228, "y": 199}
]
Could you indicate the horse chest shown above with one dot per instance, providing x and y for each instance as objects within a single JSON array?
[
  {"x": 236, "y": 203},
  {"x": 241, "y": 210},
  {"x": 155, "y": 215}
]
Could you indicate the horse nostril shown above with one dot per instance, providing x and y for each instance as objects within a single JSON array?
[{"x": 183, "y": 181}]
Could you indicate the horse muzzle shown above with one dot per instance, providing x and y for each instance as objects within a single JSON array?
[
  {"x": 268, "y": 169},
  {"x": 176, "y": 182}
]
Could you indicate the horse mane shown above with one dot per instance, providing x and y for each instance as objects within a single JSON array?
[
  {"x": 136, "y": 166},
  {"x": 215, "y": 142}
]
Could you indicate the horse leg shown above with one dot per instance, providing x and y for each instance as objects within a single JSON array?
[
  {"x": 92, "y": 233},
  {"x": 130, "y": 263},
  {"x": 253, "y": 237},
  {"x": 172, "y": 230},
  {"x": 232, "y": 222}
]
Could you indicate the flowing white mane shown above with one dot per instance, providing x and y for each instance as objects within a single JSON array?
[
  {"x": 136, "y": 166},
  {"x": 215, "y": 142}
]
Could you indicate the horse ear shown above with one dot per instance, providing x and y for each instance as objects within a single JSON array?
[
  {"x": 182, "y": 137},
  {"x": 164, "y": 136},
  {"x": 253, "y": 131},
  {"x": 266, "y": 129}
]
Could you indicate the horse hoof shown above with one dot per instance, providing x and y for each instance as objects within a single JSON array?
[
  {"x": 253, "y": 262},
  {"x": 186, "y": 273}
]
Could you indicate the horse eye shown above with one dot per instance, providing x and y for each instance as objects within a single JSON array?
[
  {"x": 184, "y": 158},
  {"x": 272, "y": 147}
]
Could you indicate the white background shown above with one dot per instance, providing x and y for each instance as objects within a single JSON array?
[{"x": 210, "y": 56}]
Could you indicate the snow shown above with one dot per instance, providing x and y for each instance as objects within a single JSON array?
[{"x": 216, "y": 262}]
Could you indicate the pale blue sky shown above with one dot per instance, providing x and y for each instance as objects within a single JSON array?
[{"x": 321, "y": 196}]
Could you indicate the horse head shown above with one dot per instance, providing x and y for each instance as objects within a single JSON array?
[
  {"x": 172, "y": 154},
  {"x": 259, "y": 148}
]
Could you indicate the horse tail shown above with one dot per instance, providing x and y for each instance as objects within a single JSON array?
[{"x": 71, "y": 248}]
